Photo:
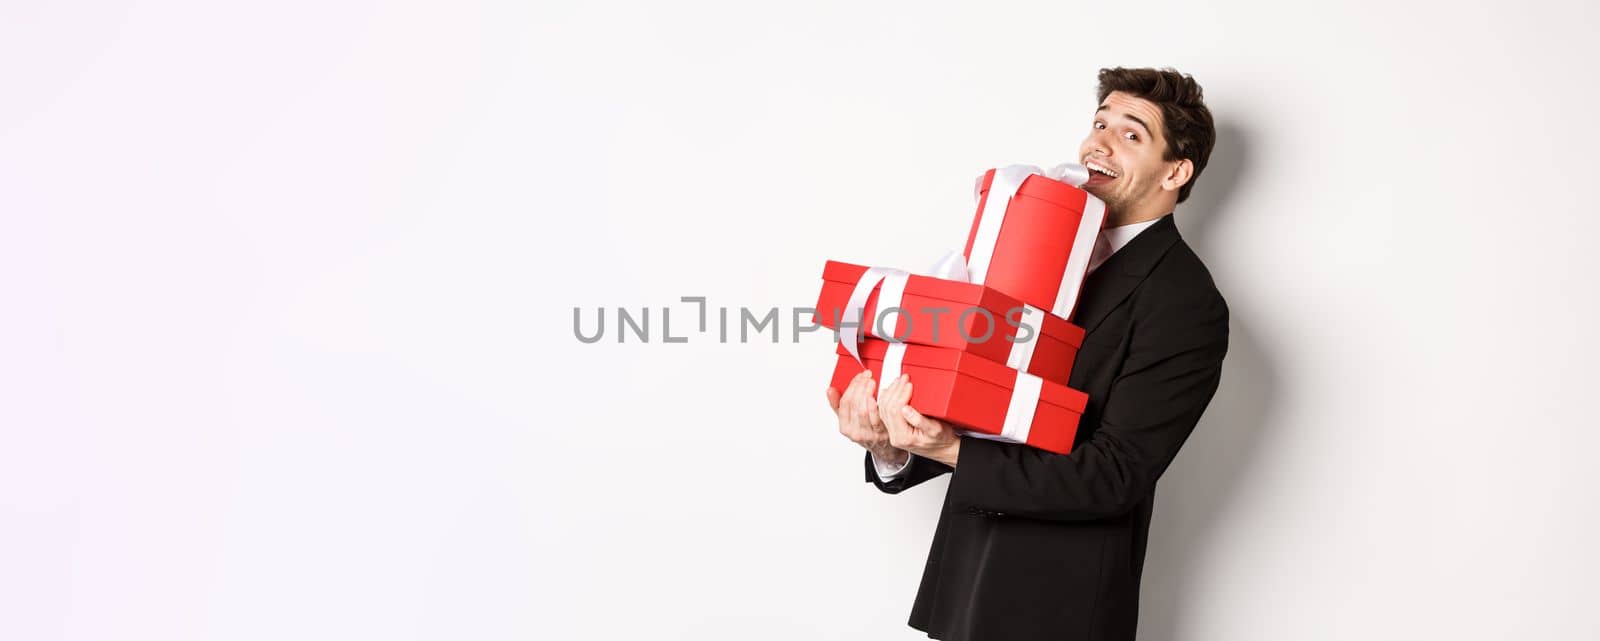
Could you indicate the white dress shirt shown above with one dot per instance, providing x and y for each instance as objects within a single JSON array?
[{"x": 1110, "y": 240}]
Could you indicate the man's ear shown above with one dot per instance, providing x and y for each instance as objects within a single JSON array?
[{"x": 1179, "y": 175}]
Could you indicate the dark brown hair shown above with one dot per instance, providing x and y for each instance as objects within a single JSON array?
[{"x": 1185, "y": 120}]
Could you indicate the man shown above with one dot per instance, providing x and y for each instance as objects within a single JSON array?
[{"x": 1036, "y": 545}]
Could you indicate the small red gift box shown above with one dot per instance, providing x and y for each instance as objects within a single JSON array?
[
  {"x": 957, "y": 315},
  {"x": 1035, "y": 241},
  {"x": 982, "y": 397}
]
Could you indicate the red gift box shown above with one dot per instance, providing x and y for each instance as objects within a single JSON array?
[
  {"x": 1035, "y": 244},
  {"x": 984, "y": 398},
  {"x": 979, "y": 319}
]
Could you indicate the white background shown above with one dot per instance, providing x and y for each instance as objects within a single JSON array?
[{"x": 286, "y": 349}]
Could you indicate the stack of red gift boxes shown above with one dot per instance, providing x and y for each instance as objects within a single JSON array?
[{"x": 986, "y": 339}]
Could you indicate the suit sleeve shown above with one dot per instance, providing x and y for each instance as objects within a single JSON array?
[
  {"x": 917, "y": 470},
  {"x": 1172, "y": 369}
]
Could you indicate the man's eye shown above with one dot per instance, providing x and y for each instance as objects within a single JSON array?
[
  {"x": 1098, "y": 125},
  {"x": 1132, "y": 136}
]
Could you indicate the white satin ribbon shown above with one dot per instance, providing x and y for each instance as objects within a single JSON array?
[
  {"x": 1024, "y": 401},
  {"x": 850, "y": 335},
  {"x": 1021, "y": 355},
  {"x": 892, "y": 358},
  {"x": 1094, "y": 216},
  {"x": 1007, "y": 180},
  {"x": 1069, "y": 172}
]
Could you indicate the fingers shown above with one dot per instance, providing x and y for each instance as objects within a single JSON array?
[
  {"x": 857, "y": 405},
  {"x": 869, "y": 406},
  {"x": 906, "y": 411},
  {"x": 915, "y": 419},
  {"x": 898, "y": 393},
  {"x": 928, "y": 429},
  {"x": 833, "y": 398},
  {"x": 847, "y": 408},
  {"x": 893, "y": 398},
  {"x": 872, "y": 421}
]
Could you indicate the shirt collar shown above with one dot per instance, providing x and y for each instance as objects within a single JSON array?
[
  {"x": 1112, "y": 239},
  {"x": 1119, "y": 237}
]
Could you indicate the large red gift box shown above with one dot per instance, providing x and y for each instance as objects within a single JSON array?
[
  {"x": 976, "y": 319},
  {"x": 984, "y": 398},
  {"x": 1036, "y": 243}
]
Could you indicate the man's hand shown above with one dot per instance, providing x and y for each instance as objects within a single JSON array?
[
  {"x": 911, "y": 431},
  {"x": 859, "y": 420}
]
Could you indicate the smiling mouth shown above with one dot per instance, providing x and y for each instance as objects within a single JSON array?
[{"x": 1099, "y": 174}]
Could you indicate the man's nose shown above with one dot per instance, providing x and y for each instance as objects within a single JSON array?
[{"x": 1097, "y": 144}]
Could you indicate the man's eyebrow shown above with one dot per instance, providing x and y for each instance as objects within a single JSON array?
[{"x": 1132, "y": 117}]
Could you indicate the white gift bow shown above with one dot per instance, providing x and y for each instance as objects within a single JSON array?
[{"x": 1071, "y": 173}]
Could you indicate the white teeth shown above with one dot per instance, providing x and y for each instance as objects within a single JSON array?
[{"x": 1101, "y": 169}]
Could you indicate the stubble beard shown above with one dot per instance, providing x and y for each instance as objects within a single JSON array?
[{"x": 1114, "y": 207}]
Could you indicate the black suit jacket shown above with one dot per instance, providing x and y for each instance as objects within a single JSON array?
[{"x": 1033, "y": 545}]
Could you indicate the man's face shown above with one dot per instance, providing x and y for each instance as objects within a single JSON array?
[{"x": 1125, "y": 140}]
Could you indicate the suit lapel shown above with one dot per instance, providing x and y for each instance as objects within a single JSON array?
[{"x": 1110, "y": 284}]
